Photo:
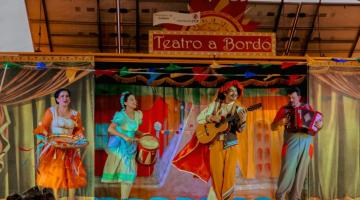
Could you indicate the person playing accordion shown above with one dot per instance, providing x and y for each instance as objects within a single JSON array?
[{"x": 301, "y": 122}]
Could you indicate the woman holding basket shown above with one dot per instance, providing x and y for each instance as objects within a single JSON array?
[{"x": 60, "y": 167}]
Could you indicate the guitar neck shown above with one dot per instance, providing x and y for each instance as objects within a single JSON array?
[
  {"x": 254, "y": 107},
  {"x": 250, "y": 108}
]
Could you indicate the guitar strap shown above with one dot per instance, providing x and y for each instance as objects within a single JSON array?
[
  {"x": 233, "y": 109},
  {"x": 216, "y": 107}
]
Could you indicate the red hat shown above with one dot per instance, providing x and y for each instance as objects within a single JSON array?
[{"x": 230, "y": 84}]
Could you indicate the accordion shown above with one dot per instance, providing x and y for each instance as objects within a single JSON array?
[{"x": 305, "y": 119}]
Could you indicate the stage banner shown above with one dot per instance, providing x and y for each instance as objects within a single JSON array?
[{"x": 210, "y": 43}]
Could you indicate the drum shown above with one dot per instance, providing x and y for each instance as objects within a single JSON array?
[
  {"x": 147, "y": 147},
  {"x": 306, "y": 119},
  {"x": 67, "y": 141}
]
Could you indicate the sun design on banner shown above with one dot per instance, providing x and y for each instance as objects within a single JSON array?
[{"x": 219, "y": 15}]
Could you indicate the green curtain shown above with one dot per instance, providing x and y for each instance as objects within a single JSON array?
[
  {"x": 335, "y": 168},
  {"x": 19, "y": 171}
]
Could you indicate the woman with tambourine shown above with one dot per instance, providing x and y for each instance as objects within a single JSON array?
[{"x": 61, "y": 133}]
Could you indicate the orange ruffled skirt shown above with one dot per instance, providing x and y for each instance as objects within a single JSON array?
[{"x": 61, "y": 168}]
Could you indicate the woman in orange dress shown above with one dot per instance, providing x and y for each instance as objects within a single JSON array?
[{"x": 60, "y": 168}]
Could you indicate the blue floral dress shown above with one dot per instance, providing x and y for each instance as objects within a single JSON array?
[{"x": 120, "y": 165}]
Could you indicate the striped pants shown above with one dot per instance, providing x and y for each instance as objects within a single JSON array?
[{"x": 296, "y": 155}]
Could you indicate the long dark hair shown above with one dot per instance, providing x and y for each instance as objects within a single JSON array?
[{"x": 57, "y": 93}]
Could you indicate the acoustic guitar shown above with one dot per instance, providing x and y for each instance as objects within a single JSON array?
[{"x": 206, "y": 133}]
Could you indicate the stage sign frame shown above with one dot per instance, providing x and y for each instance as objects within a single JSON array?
[{"x": 212, "y": 43}]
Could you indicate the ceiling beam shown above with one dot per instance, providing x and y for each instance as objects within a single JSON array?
[
  {"x": 47, "y": 25},
  {"x": 310, "y": 32},
  {"x": 95, "y": 35},
  {"x": 89, "y": 46},
  {"x": 83, "y": 23},
  {"x": 137, "y": 29},
  {"x": 318, "y": 51},
  {"x": 118, "y": 28},
  {"x": 354, "y": 44},
  {"x": 325, "y": 41},
  {"x": 292, "y": 31},
  {"x": 159, "y": 58},
  {"x": 277, "y": 18},
  {"x": 100, "y": 42},
  {"x": 330, "y": 2}
]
